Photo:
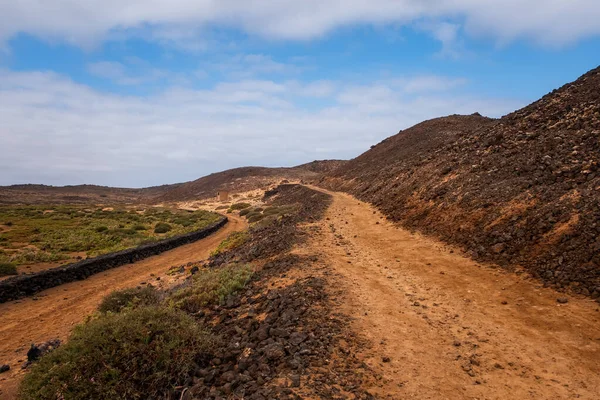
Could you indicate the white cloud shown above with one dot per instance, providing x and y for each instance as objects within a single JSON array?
[
  {"x": 184, "y": 23},
  {"x": 57, "y": 131}
]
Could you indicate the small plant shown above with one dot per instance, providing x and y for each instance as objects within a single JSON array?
[
  {"x": 139, "y": 227},
  {"x": 7, "y": 269},
  {"x": 233, "y": 241},
  {"x": 244, "y": 212},
  {"x": 239, "y": 206},
  {"x": 254, "y": 217},
  {"x": 129, "y": 298},
  {"x": 8, "y": 223},
  {"x": 211, "y": 287},
  {"x": 138, "y": 354},
  {"x": 162, "y": 227},
  {"x": 101, "y": 229}
]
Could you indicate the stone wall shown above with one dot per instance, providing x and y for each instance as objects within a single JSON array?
[{"x": 27, "y": 285}]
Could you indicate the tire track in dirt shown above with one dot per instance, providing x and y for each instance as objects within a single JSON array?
[
  {"x": 453, "y": 328},
  {"x": 57, "y": 310}
]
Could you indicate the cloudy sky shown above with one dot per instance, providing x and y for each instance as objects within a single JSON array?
[{"x": 145, "y": 92}]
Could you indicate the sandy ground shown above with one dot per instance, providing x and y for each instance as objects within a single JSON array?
[
  {"x": 451, "y": 327},
  {"x": 57, "y": 310}
]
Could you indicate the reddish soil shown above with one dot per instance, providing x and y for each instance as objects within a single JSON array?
[
  {"x": 52, "y": 313},
  {"x": 451, "y": 327}
]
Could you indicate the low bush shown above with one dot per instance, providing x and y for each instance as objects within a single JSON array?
[
  {"x": 244, "y": 211},
  {"x": 119, "y": 300},
  {"x": 255, "y": 217},
  {"x": 7, "y": 269},
  {"x": 101, "y": 229},
  {"x": 234, "y": 240},
  {"x": 221, "y": 207},
  {"x": 162, "y": 227},
  {"x": 139, "y": 227},
  {"x": 31, "y": 256},
  {"x": 211, "y": 287},
  {"x": 239, "y": 206},
  {"x": 138, "y": 354}
]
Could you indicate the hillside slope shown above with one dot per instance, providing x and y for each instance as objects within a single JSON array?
[
  {"x": 244, "y": 179},
  {"x": 523, "y": 189}
]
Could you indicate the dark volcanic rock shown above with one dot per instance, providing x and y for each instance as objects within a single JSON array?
[{"x": 520, "y": 190}]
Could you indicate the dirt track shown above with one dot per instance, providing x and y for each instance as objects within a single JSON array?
[
  {"x": 57, "y": 310},
  {"x": 453, "y": 328}
]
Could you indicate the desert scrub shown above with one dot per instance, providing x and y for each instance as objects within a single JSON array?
[
  {"x": 7, "y": 269},
  {"x": 244, "y": 212},
  {"x": 233, "y": 241},
  {"x": 162, "y": 227},
  {"x": 211, "y": 287},
  {"x": 254, "y": 217},
  {"x": 31, "y": 256},
  {"x": 119, "y": 300},
  {"x": 138, "y": 354},
  {"x": 239, "y": 206},
  {"x": 64, "y": 230}
]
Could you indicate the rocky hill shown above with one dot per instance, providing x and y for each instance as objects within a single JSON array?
[
  {"x": 520, "y": 190},
  {"x": 244, "y": 179}
]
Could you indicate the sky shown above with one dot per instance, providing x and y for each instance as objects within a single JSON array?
[{"x": 148, "y": 92}]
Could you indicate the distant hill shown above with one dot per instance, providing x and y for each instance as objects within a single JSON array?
[
  {"x": 523, "y": 189},
  {"x": 43, "y": 194}
]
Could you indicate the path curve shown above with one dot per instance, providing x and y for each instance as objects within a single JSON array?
[
  {"x": 452, "y": 327},
  {"x": 57, "y": 310}
]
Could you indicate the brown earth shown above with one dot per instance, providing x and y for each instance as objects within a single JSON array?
[
  {"x": 442, "y": 326},
  {"x": 53, "y": 313},
  {"x": 360, "y": 308},
  {"x": 520, "y": 190}
]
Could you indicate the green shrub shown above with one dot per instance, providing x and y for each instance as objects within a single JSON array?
[
  {"x": 271, "y": 211},
  {"x": 233, "y": 241},
  {"x": 139, "y": 227},
  {"x": 31, "y": 256},
  {"x": 101, "y": 229},
  {"x": 138, "y": 354},
  {"x": 239, "y": 206},
  {"x": 244, "y": 212},
  {"x": 211, "y": 287},
  {"x": 255, "y": 218},
  {"x": 221, "y": 207},
  {"x": 162, "y": 227},
  {"x": 8, "y": 223},
  {"x": 129, "y": 298},
  {"x": 7, "y": 268}
]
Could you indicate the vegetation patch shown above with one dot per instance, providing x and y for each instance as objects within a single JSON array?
[
  {"x": 233, "y": 241},
  {"x": 211, "y": 287},
  {"x": 138, "y": 354},
  {"x": 239, "y": 206},
  {"x": 48, "y": 234},
  {"x": 7, "y": 269},
  {"x": 162, "y": 227},
  {"x": 120, "y": 300}
]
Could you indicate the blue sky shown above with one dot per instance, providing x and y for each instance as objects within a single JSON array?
[{"x": 152, "y": 92}]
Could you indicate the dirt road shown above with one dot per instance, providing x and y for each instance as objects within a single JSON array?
[
  {"x": 445, "y": 327},
  {"x": 57, "y": 310}
]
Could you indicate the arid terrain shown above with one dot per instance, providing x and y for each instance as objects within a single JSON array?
[{"x": 458, "y": 259}]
